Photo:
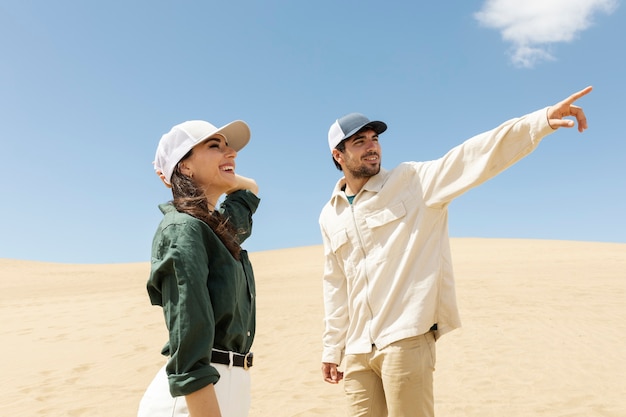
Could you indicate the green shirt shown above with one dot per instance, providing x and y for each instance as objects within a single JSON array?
[{"x": 208, "y": 297}]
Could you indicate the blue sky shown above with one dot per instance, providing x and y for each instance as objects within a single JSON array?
[{"x": 87, "y": 89}]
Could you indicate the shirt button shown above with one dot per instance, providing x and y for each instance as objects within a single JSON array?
[{"x": 248, "y": 332}]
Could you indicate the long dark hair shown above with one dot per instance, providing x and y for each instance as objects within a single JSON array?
[{"x": 190, "y": 199}]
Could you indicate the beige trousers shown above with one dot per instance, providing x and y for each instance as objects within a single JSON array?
[{"x": 396, "y": 381}]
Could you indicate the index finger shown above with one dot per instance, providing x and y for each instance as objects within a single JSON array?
[{"x": 579, "y": 94}]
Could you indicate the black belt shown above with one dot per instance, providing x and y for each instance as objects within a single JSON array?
[{"x": 224, "y": 358}]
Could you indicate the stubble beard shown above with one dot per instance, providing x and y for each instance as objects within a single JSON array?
[{"x": 364, "y": 171}]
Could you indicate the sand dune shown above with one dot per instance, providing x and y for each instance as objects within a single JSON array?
[{"x": 544, "y": 324}]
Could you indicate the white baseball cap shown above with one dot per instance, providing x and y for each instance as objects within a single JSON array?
[
  {"x": 348, "y": 125},
  {"x": 176, "y": 143}
]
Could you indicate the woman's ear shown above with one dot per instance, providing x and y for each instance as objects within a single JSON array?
[{"x": 185, "y": 169}]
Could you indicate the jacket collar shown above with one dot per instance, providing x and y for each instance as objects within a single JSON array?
[{"x": 374, "y": 185}]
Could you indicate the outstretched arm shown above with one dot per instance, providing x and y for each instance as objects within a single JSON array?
[{"x": 566, "y": 108}]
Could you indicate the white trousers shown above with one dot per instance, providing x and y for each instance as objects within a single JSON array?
[{"x": 232, "y": 390}]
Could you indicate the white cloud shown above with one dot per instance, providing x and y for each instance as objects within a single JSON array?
[{"x": 531, "y": 26}]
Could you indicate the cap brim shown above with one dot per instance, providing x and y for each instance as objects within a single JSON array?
[
  {"x": 378, "y": 127},
  {"x": 237, "y": 134}
]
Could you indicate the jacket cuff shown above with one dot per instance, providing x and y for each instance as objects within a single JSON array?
[
  {"x": 540, "y": 127},
  {"x": 332, "y": 356}
]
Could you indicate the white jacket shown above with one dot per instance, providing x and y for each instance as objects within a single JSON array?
[{"x": 388, "y": 269}]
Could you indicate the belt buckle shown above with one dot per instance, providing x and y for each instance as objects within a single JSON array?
[{"x": 245, "y": 360}]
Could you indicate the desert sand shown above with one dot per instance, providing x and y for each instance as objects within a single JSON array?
[{"x": 544, "y": 327}]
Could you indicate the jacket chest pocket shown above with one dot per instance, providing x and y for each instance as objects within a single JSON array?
[
  {"x": 385, "y": 216},
  {"x": 338, "y": 240}
]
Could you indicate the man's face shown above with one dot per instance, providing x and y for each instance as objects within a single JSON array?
[{"x": 362, "y": 156}]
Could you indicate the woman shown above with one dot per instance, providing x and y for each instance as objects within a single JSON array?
[{"x": 201, "y": 276}]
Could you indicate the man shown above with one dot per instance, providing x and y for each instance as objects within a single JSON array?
[{"x": 388, "y": 282}]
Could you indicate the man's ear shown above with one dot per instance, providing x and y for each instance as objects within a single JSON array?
[{"x": 337, "y": 156}]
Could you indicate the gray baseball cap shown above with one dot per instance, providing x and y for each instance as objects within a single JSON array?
[{"x": 348, "y": 125}]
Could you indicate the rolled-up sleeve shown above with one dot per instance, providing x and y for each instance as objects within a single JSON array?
[{"x": 178, "y": 283}]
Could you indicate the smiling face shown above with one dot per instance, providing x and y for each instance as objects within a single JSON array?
[
  {"x": 211, "y": 165},
  {"x": 362, "y": 155},
  {"x": 360, "y": 159}
]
